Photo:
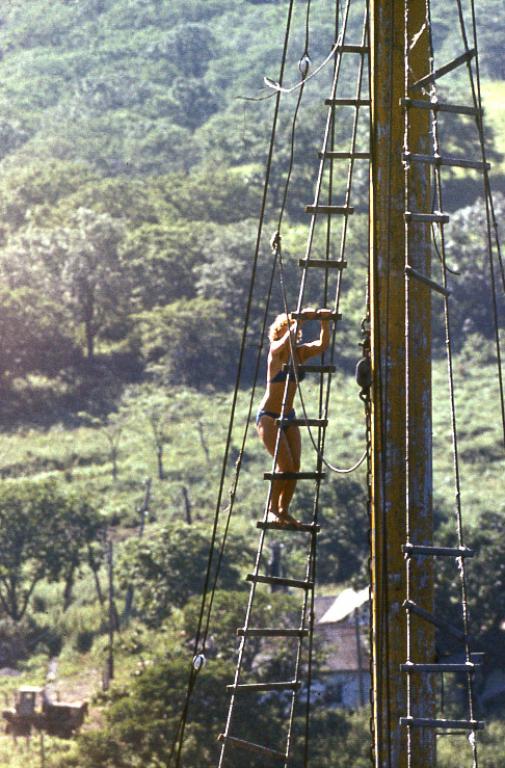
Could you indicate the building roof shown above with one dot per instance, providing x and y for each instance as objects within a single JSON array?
[
  {"x": 337, "y": 636},
  {"x": 342, "y": 606}
]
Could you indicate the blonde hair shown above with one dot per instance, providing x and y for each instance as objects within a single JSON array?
[{"x": 280, "y": 326}]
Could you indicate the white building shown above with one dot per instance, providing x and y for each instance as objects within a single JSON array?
[{"x": 341, "y": 630}]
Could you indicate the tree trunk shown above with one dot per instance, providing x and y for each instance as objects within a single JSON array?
[
  {"x": 69, "y": 586},
  {"x": 159, "y": 456},
  {"x": 95, "y": 568},
  {"x": 187, "y": 505}
]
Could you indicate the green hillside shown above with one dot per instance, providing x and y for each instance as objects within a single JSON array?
[{"x": 131, "y": 179}]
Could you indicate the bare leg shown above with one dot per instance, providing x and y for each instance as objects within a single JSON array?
[
  {"x": 294, "y": 441},
  {"x": 267, "y": 431}
]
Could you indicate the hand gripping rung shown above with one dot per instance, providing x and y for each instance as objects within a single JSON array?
[
  {"x": 322, "y": 423},
  {"x": 329, "y": 210},
  {"x": 410, "y": 550},
  {"x": 410, "y": 272},
  {"x": 323, "y": 263},
  {"x": 289, "y": 685},
  {"x": 409, "y": 605},
  {"x": 279, "y": 581},
  {"x": 294, "y": 475},
  {"x": 428, "y": 722},
  {"x": 428, "y": 668},
  {"x": 347, "y": 102},
  {"x": 250, "y": 746},
  {"x": 437, "y": 217},
  {"x": 331, "y": 155},
  {"x": 301, "y": 527},
  {"x": 454, "y": 64},
  {"x": 271, "y": 632},
  {"x": 459, "y": 162},
  {"x": 438, "y": 106}
]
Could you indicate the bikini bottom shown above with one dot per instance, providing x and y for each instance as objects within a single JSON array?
[{"x": 288, "y": 417}]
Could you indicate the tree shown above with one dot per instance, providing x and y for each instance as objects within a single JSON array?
[
  {"x": 43, "y": 533},
  {"x": 92, "y": 276},
  {"x": 34, "y": 333},
  {"x": 168, "y": 569},
  {"x": 160, "y": 259},
  {"x": 190, "y": 343},
  {"x": 77, "y": 267},
  {"x": 154, "y": 410}
]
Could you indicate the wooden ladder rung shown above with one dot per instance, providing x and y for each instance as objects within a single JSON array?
[
  {"x": 459, "y": 162},
  {"x": 411, "y": 272},
  {"x": 294, "y": 475},
  {"x": 333, "y": 316},
  {"x": 330, "y": 210},
  {"x": 437, "y": 217},
  {"x": 289, "y": 685},
  {"x": 274, "y": 526},
  {"x": 271, "y": 632},
  {"x": 410, "y": 550},
  {"x": 321, "y": 423},
  {"x": 323, "y": 263},
  {"x": 428, "y": 722},
  {"x": 352, "y": 49},
  {"x": 438, "y": 106},
  {"x": 409, "y": 605},
  {"x": 280, "y": 581},
  {"x": 429, "y": 668},
  {"x": 347, "y": 102},
  {"x": 454, "y": 64},
  {"x": 250, "y": 746},
  {"x": 332, "y": 155}
]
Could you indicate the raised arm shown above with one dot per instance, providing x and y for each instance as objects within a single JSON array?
[
  {"x": 320, "y": 345},
  {"x": 279, "y": 345}
]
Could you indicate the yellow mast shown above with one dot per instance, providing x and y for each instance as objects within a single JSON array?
[{"x": 402, "y": 379}]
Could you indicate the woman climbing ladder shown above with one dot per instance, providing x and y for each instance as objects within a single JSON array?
[{"x": 289, "y": 451}]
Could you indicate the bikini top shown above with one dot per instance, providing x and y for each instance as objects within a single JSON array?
[{"x": 283, "y": 375}]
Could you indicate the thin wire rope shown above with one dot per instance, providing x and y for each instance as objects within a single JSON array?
[
  {"x": 179, "y": 736},
  {"x": 452, "y": 399}
]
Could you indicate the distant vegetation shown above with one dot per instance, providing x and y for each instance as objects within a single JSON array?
[{"x": 130, "y": 186}]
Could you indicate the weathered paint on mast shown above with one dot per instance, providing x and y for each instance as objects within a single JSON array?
[
  {"x": 389, "y": 402},
  {"x": 422, "y": 743}
]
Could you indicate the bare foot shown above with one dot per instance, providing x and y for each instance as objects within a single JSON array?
[{"x": 286, "y": 519}]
